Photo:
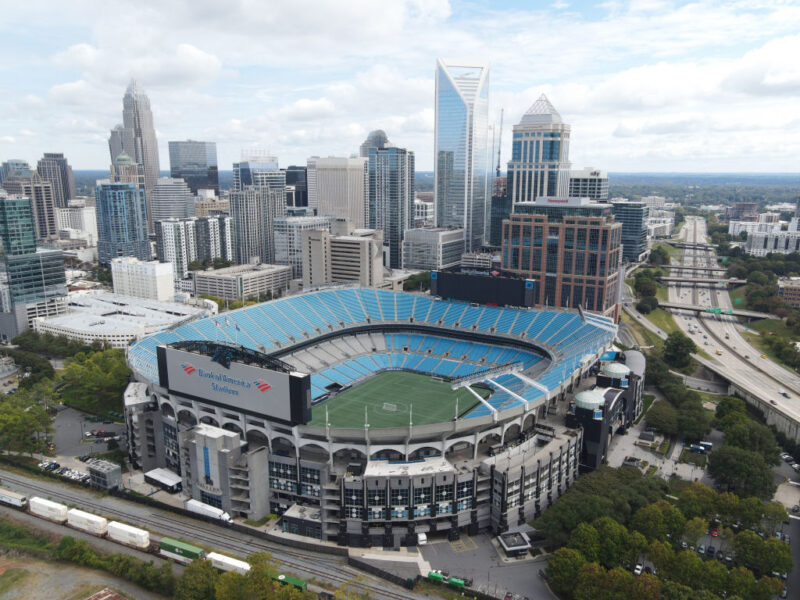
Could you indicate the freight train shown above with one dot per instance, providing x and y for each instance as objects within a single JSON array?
[{"x": 132, "y": 537}]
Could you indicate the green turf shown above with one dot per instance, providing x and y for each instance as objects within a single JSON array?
[{"x": 432, "y": 402}]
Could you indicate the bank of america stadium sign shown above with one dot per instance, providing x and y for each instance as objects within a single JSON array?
[{"x": 225, "y": 384}]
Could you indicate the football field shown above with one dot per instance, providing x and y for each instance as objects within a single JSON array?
[{"x": 391, "y": 397}]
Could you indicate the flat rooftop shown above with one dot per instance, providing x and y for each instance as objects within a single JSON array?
[{"x": 429, "y": 466}]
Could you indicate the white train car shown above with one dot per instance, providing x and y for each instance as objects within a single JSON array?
[
  {"x": 129, "y": 536},
  {"x": 226, "y": 563},
  {"x": 52, "y": 511},
  {"x": 13, "y": 498},
  {"x": 207, "y": 510},
  {"x": 87, "y": 522}
]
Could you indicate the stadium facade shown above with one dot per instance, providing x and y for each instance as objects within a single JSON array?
[{"x": 284, "y": 376}]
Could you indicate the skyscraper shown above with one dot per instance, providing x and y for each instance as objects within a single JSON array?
[
  {"x": 176, "y": 243},
  {"x": 30, "y": 184},
  {"x": 391, "y": 197},
  {"x": 35, "y": 276},
  {"x": 137, "y": 138},
  {"x": 296, "y": 186},
  {"x": 338, "y": 188},
  {"x": 196, "y": 163},
  {"x": 375, "y": 139},
  {"x": 570, "y": 250},
  {"x": 461, "y": 150},
  {"x": 14, "y": 167},
  {"x": 171, "y": 198},
  {"x": 252, "y": 212},
  {"x": 289, "y": 240},
  {"x": 539, "y": 164},
  {"x": 53, "y": 167},
  {"x": 633, "y": 216},
  {"x": 121, "y": 222},
  {"x": 257, "y": 167}
]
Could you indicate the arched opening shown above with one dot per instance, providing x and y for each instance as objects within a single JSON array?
[
  {"x": 206, "y": 420},
  {"x": 422, "y": 453},
  {"x": 351, "y": 460},
  {"x": 167, "y": 410},
  {"x": 511, "y": 434},
  {"x": 387, "y": 454},
  {"x": 256, "y": 439},
  {"x": 487, "y": 443},
  {"x": 234, "y": 427},
  {"x": 529, "y": 422},
  {"x": 283, "y": 447},
  {"x": 187, "y": 418},
  {"x": 314, "y": 452},
  {"x": 461, "y": 450}
]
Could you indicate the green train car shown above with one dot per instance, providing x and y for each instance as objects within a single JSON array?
[
  {"x": 179, "y": 551},
  {"x": 293, "y": 581}
]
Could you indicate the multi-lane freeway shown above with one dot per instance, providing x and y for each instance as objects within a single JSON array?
[{"x": 720, "y": 335}]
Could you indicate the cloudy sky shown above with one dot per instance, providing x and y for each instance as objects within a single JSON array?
[{"x": 647, "y": 85}]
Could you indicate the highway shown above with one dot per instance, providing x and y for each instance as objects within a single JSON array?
[
  {"x": 739, "y": 361},
  {"x": 305, "y": 564}
]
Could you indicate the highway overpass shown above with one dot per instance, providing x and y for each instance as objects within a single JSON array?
[
  {"x": 702, "y": 280},
  {"x": 737, "y": 312}
]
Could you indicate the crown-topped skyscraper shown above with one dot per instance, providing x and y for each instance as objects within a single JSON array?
[
  {"x": 137, "y": 138},
  {"x": 539, "y": 164}
]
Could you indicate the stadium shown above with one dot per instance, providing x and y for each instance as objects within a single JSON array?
[{"x": 375, "y": 416}]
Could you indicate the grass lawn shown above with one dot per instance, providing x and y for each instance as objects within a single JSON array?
[
  {"x": 687, "y": 456},
  {"x": 10, "y": 579},
  {"x": 709, "y": 397},
  {"x": 389, "y": 399},
  {"x": 661, "y": 292},
  {"x": 642, "y": 335},
  {"x": 671, "y": 250},
  {"x": 758, "y": 331},
  {"x": 663, "y": 320},
  {"x": 738, "y": 299}
]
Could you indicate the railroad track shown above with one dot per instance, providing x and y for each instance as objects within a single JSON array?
[{"x": 335, "y": 573}]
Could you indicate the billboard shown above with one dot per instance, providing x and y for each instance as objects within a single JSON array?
[{"x": 254, "y": 390}]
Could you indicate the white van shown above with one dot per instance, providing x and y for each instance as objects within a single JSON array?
[{"x": 422, "y": 539}]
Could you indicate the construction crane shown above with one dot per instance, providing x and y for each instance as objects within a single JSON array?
[{"x": 499, "y": 144}]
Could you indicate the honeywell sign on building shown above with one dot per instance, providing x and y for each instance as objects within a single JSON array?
[{"x": 254, "y": 390}]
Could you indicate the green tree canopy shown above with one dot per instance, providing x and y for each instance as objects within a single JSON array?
[
  {"x": 743, "y": 472},
  {"x": 678, "y": 349}
]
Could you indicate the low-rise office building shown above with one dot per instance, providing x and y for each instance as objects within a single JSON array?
[{"x": 243, "y": 282}]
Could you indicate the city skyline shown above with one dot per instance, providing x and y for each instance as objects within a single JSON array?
[{"x": 646, "y": 87}]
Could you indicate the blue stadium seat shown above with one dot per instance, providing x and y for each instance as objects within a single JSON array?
[
  {"x": 334, "y": 304},
  {"x": 554, "y": 325},
  {"x": 421, "y": 307},
  {"x": 412, "y": 361},
  {"x": 445, "y": 367},
  {"x": 396, "y": 359},
  {"x": 437, "y": 310},
  {"x": 386, "y": 301},
  {"x": 382, "y": 360},
  {"x": 441, "y": 346},
  {"x": 470, "y": 317},
  {"x": 523, "y": 322},
  {"x": 488, "y": 318},
  {"x": 453, "y": 314},
  {"x": 492, "y": 354},
  {"x": 477, "y": 352},
  {"x": 414, "y": 341},
  {"x": 370, "y": 301},
  {"x": 507, "y": 317},
  {"x": 405, "y": 303},
  {"x": 352, "y": 303}
]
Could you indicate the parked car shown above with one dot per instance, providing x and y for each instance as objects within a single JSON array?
[
  {"x": 701, "y": 549},
  {"x": 711, "y": 552},
  {"x": 638, "y": 570}
]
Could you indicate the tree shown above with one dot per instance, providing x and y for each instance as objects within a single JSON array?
[
  {"x": 563, "y": 569},
  {"x": 647, "y": 304},
  {"x": 612, "y": 537},
  {"x": 95, "y": 382},
  {"x": 741, "y": 582},
  {"x": 646, "y": 587},
  {"x": 198, "y": 582},
  {"x": 664, "y": 417},
  {"x": 687, "y": 568},
  {"x": 751, "y": 435},
  {"x": 585, "y": 540},
  {"x": 714, "y": 577},
  {"x": 743, "y": 472},
  {"x": 231, "y": 586},
  {"x": 590, "y": 583},
  {"x": 693, "y": 420},
  {"x": 768, "y": 588},
  {"x": 660, "y": 554},
  {"x": 649, "y": 520},
  {"x": 697, "y": 500},
  {"x": 694, "y": 529},
  {"x": 678, "y": 349}
]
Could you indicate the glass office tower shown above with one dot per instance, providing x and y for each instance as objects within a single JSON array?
[
  {"x": 196, "y": 163},
  {"x": 121, "y": 222},
  {"x": 461, "y": 150},
  {"x": 391, "y": 197}
]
